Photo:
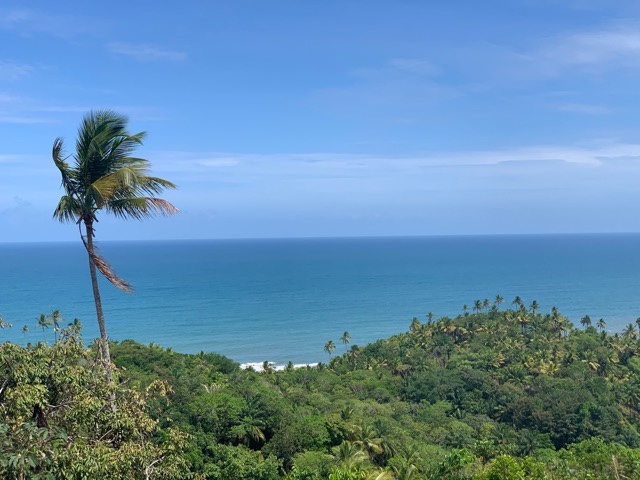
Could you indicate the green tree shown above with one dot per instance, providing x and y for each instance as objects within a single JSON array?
[
  {"x": 329, "y": 347},
  {"x": 104, "y": 176},
  {"x": 518, "y": 302},
  {"x": 345, "y": 339},
  {"x": 56, "y": 420},
  {"x": 586, "y": 321},
  {"x": 629, "y": 332},
  {"x": 534, "y": 306}
]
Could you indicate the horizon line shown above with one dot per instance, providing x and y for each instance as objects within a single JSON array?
[{"x": 331, "y": 237}]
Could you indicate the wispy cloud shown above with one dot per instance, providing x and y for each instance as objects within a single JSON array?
[
  {"x": 10, "y": 18},
  {"x": 336, "y": 165},
  {"x": 583, "y": 108},
  {"x": 14, "y": 71},
  {"x": 598, "y": 47},
  {"x": 6, "y": 98},
  {"x": 397, "y": 90},
  {"x": 145, "y": 53},
  {"x": 24, "y": 21},
  {"x": 18, "y": 203},
  {"x": 8, "y": 158},
  {"x": 522, "y": 61},
  {"x": 415, "y": 65},
  {"x": 24, "y": 120},
  {"x": 591, "y": 51}
]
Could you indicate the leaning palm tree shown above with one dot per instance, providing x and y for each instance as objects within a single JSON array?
[{"x": 103, "y": 176}]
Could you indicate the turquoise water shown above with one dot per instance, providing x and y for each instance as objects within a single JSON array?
[{"x": 281, "y": 300}]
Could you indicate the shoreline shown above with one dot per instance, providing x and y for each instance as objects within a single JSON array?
[{"x": 278, "y": 367}]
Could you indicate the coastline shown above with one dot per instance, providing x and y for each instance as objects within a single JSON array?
[{"x": 278, "y": 367}]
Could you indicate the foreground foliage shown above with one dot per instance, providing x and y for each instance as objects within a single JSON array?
[
  {"x": 493, "y": 394},
  {"x": 57, "y": 420}
]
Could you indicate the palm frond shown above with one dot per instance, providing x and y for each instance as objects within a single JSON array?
[
  {"x": 57, "y": 153},
  {"x": 96, "y": 197},
  {"x": 139, "y": 208},
  {"x": 106, "y": 270},
  {"x": 67, "y": 210},
  {"x": 155, "y": 184}
]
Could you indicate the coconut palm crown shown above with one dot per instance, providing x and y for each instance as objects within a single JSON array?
[{"x": 104, "y": 176}]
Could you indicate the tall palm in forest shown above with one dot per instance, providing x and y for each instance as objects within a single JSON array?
[
  {"x": 345, "y": 339},
  {"x": 534, "y": 306},
  {"x": 329, "y": 347},
  {"x": 103, "y": 176}
]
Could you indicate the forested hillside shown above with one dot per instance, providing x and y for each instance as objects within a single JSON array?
[{"x": 493, "y": 394}]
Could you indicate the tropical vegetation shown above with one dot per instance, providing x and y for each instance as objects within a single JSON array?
[{"x": 495, "y": 394}]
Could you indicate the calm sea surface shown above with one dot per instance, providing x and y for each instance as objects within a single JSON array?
[{"x": 281, "y": 300}]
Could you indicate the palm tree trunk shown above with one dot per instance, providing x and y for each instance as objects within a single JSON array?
[{"x": 104, "y": 339}]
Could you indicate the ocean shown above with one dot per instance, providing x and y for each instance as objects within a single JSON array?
[{"x": 282, "y": 300}]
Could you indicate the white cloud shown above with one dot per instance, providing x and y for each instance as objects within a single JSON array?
[
  {"x": 583, "y": 108},
  {"x": 14, "y": 71},
  {"x": 7, "y": 158},
  {"x": 23, "y": 119},
  {"x": 144, "y": 52},
  {"x": 594, "y": 51},
  {"x": 29, "y": 21},
  {"x": 245, "y": 167},
  {"x": 10, "y": 18},
  {"x": 6, "y": 98},
  {"x": 600, "y": 46},
  {"x": 415, "y": 65}
]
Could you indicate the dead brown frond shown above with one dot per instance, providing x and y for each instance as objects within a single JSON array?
[
  {"x": 162, "y": 206},
  {"x": 105, "y": 268},
  {"x": 107, "y": 271}
]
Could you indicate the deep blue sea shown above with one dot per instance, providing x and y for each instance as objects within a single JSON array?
[{"x": 281, "y": 300}]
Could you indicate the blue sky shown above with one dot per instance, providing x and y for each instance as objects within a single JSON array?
[{"x": 330, "y": 118}]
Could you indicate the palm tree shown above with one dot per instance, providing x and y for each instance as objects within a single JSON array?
[
  {"x": 498, "y": 301},
  {"x": 415, "y": 325},
  {"x": 367, "y": 439},
  {"x": 329, "y": 347},
  {"x": 534, "y": 306},
  {"x": 486, "y": 304},
  {"x": 44, "y": 321},
  {"x": 601, "y": 324},
  {"x": 104, "y": 176},
  {"x": 629, "y": 332},
  {"x": 345, "y": 338},
  {"x": 518, "y": 302},
  {"x": 586, "y": 321},
  {"x": 348, "y": 454}
]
